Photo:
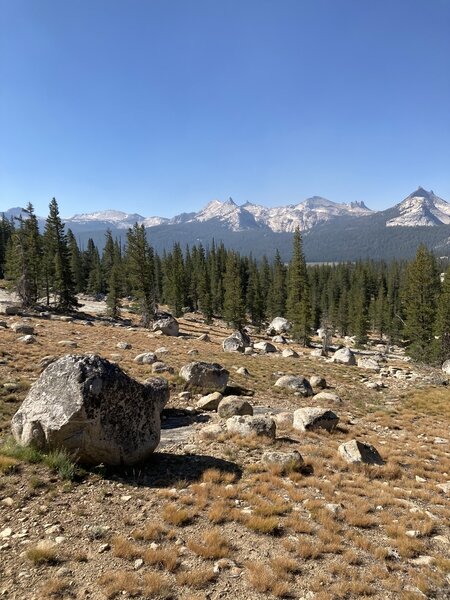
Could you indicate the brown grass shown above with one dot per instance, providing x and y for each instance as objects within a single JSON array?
[
  {"x": 151, "y": 532},
  {"x": 117, "y": 582},
  {"x": 211, "y": 546},
  {"x": 55, "y": 587},
  {"x": 198, "y": 577},
  {"x": 267, "y": 525},
  {"x": 8, "y": 464},
  {"x": 177, "y": 516},
  {"x": 43, "y": 553},
  {"x": 124, "y": 548},
  {"x": 156, "y": 585},
  {"x": 163, "y": 558}
]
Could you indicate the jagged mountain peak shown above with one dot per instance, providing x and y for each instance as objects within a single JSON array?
[{"x": 421, "y": 208}]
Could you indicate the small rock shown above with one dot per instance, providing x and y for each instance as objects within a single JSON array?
[
  {"x": 264, "y": 347},
  {"x": 23, "y": 328},
  {"x": 146, "y": 358},
  {"x": 123, "y": 346},
  {"x": 445, "y": 487},
  {"x": 318, "y": 382},
  {"x": 8, "y": 501},
  {"x": 344, "y": 356},
  {"x": 27, "y": 339},
  {"x": 204, "y": 337},
  {"x": 243, "y": 371},
  {"x": 185, "y": 395},
  {"x": 103, "y": 548},
  {"x": 211, "y": 431},
  {"x": 278, "y": 326},
  {"x": 287, "y": 460},
  {"x": 284, "y": 419},
  {"x": 289, "y": 353},
  {"x": 68, "y": 343},
  {"x": 5, "y": 533},
  {"x": 327, "y": 397},
  {"x": 167, "y": 326},
  {"x": 161, "y": 367},
  {"x": 423, "y": 561},
  {"x": 138, "y": 563},
  {"x": 125, "y": 498},
  {"x": 355, "y": 451},
  {"x": 297, "y": 383}
]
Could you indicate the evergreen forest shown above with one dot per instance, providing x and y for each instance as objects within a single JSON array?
[{"x": 405, "y": 302}]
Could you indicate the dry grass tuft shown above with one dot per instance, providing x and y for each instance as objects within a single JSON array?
[
  {"x": 55, "y": 587},
  {"x": 151, "y": 532},
  {"x": 212, "y": 546},
  {"x": 177, "y": 516},
  {"x": 123, "y": 548},
  {"x": 43, "y": 553},
  {"x": 163, "y": 558},
  {"x": 267, "y": 525},
  {"x": 156, "y": 585},
  {"x": 116, "y": 583},
  {"x": 8, "y": 464},
  {"x": 197, "y": 578}
]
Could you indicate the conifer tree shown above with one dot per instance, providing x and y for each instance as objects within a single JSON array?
[
  {"x": 298, "y": 298},
  {"x": 176, "y": 286},
  {"x": 140, "y": 263},
  {"x": 233, "y": 305},
  {"x": 443, "y": 320},
  {"x": 113, "y": 299},
  {"x": 255, "y": 295},
  {"x": 6, "y": 230},
  {"x": 76, "y": 262},
  {"x": 58, "y": 274},
  {"x": 420, "y": 298},
  {"x": 277, "y": 290}
]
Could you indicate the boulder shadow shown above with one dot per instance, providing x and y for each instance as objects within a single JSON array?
[
  {"x": 163, "y": 469},
  {"x": 172, "y": 418}
]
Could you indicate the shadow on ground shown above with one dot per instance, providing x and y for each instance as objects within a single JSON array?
[{"x": 167, "y": 470}]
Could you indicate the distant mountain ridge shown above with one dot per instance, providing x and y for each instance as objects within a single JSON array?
[{"x": 331, "y": 231}]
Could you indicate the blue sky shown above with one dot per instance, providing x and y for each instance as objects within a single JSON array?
[{"x": 158, "y": 106}]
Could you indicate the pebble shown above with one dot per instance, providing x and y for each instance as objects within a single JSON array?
[
  {"x": 6, "y": 533},
  {"x": 104, "y": 548},
  {"x": 138, "y": 563}
]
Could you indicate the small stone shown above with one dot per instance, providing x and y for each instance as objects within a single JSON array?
[
  {"x": 318, "y": 382},
  {"x": 6, "y": 533},
  {"x": 333, "y": 508},
  {"x": 445, "y": 487},
  {"x": 125, "y": 498},
  {"x": 243, "y": 371},
  {"x": 412, "y": 533},
  {"x": 146, "y": 358},
  {"x": 7, "y": 501},
  {"x": 138, "y": 563},
  {"x": 312, "y": 417},
  {"x": 355, "y": 451},
  {"x": 234, "y": 405},
  {"x": 103, "y": 548},
  {"x": 284, "y": 419},
  {"x": 423, "y": 561},
  {"x": 420, "y": 479},
  {"x": 123, "y": 346},
  {"x": 286, "y": 460},
  {"x": 247, "y": 425},
  {"x": 60, "y": 539},
  {"x": 289, "y": 353},
  {"x": 184, "y": 395},
  {"x": 27, "y": 339},
  {"x": 327, "y": 397},
  {"x": 68, "y": 343}
]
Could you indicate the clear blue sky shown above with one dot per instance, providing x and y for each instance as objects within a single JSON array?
[{"x": 158, "y": 106}]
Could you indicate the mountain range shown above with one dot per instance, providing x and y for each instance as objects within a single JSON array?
[{"x": 331, "y": 231}]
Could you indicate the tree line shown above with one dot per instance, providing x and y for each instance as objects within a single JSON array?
[{"x": 400, "y": 301}]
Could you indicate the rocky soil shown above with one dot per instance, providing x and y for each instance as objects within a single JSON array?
[{"x": 216, "y": 515}]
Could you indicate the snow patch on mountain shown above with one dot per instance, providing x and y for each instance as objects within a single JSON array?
[{"x": 421, "y": 208}]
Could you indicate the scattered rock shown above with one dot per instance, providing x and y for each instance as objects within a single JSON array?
[
  {"x": 193, "y": 352},
  {"x": 5, "y": 533},
  {"x": 284, "y": 419},
  {"x": 68, "y": 343},
  {"x": 327, "y": 397},
  {"x": 278, "y": 325},
  {"x": 297, "y": 383},
  {"x": 3, "y": 324},
  {"x": 209, "y": 402},
  {"x": 289, "y": 353},
  {"x": 365, "y": 362},
  {"x": 211, "y": 431},
  {"x": 185, "y": 395},
  {"x": 423, "y": 561},
  {"x": 91, "y": 408},
  {"x": 344, "y": 356},
  {"x": 288, "y": 461},
  {"x": 167, "y": 325},
  {"x": 444, "y": 487},
  {"x": 279, "y": 339},
  {"x": 264, "y": 347},
  {"x": 234, "y": 405},
  {"x": 22, "y": 328},
  {"x": 314, "y": 417},
  {"x": 238, "y": 341},
  {"x": 103, "y": 548},
  {"x": 243, "y": 371},
  {"x": 146, "y": 358},
  {"x": 204, "y": 337},
  {"x": 355, "y": 451},
  {"x": 123, "y": 346},
  {"x": 161, "y": 367},
  {"x": 446, "y": 367},
  {"x": 27, "y": 339},
  {"x": 208, "y": 376},
  {"x": 248, "y": 425},
  {"x": 318, "y": 352},
  {"x": 317, "y": 381}
]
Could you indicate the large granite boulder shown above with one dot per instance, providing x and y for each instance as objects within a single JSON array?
[
  {"x": 344, "y": 356},
  {"x": 247, "y": 425},
  {"x": 90, "y": 407},
  {"x": 366, "y": 362},
  {"x": 238, "y": 341},
  {"x": 446, "y": 367},
  {"x": 295, "y": 382},
  {"x": 167, "y": 325},
  {"x": 207, "y": 376},
  {"x": 278, "y": 326},
  {"x": 234, "y": 405}
]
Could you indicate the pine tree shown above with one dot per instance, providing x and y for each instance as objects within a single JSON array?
[
  {"x": 442, "y": 328},
  {"x": 420, "y": 298},
  {"x": 233, "y": 305},
  {"x": 176, "y": 283},
  {"x": 115, "y": 290},
  {"x": 57, "y": 272},
  {"x": 76, "y": 262},
  {"x": 298, "y": 298},
  {"x": 140, "y": 263},
  {"x": 255, "y": 295},
  {"x": 23, "y": 258},
  {"x": 277, "y": 289},
  {"x": 6, "y": 230}
]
